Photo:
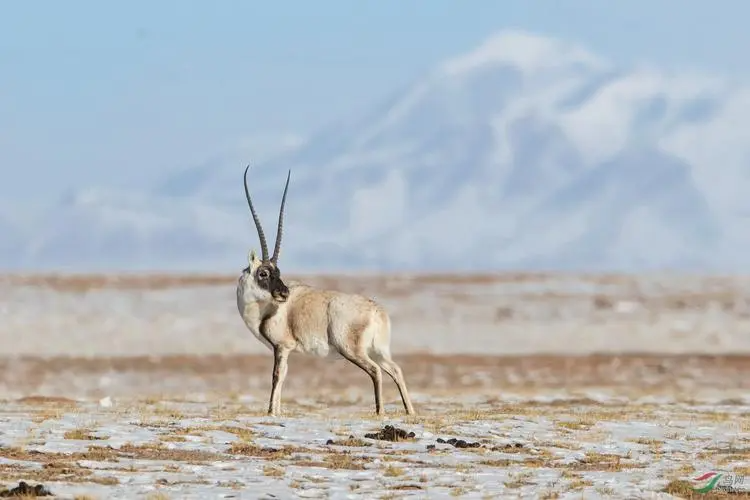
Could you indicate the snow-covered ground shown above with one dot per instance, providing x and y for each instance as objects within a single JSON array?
[
  {"x": 553, "y": 445},
  {"x": 572, "y": 386}
]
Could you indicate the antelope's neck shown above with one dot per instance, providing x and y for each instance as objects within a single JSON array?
[{"x": 253, "y": 312}]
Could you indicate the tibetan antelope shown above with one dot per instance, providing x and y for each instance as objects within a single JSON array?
[{"x": 300, "y": 318}]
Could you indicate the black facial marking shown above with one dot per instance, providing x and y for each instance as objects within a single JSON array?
[{"x": 268, "y": 277}]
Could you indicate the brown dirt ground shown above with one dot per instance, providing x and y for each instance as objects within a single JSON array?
[
  {"x": 424, "y": 372},
  {"x": 156, "y": 281},
  {"x": 713, "y": 289}
]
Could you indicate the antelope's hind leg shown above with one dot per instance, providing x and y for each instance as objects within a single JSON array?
[
  {"x": 373, "y": 370},
  {"x": 394, "y": 371}
]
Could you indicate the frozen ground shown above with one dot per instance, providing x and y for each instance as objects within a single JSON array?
[
  {"x": 548, "y": 426},
  {"x": 554, "y": 445},
  {"x": 504, "y": 314},
  {"x": 573, "y": 387}
]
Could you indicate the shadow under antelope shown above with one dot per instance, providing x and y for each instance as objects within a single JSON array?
[{"x": 300, "y": 318}]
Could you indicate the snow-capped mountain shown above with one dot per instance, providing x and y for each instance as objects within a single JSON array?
[{"x": 526, "y": 152}]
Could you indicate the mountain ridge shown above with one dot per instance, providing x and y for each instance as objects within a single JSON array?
[{"x": 527, "y": 152}]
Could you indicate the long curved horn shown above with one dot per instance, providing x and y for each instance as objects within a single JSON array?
[
  {"x": 261, "y": 236},
  {"x": 279, "y": 229}
]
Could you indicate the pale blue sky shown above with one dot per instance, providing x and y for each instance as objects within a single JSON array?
[{"x": 117, "y": 94}]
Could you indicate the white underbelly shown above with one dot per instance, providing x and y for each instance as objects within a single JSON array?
[{"x": 317, "y": 346}]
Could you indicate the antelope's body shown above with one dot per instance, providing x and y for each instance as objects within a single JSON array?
[{"x": 304, "y": 319}]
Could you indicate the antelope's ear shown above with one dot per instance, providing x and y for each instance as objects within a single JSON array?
[{"x": 251, "y": 257}]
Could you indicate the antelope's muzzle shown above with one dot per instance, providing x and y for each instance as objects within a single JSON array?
[{"x": 280, "y": 293}]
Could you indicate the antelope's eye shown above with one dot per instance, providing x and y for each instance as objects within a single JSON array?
[{"x": 263, "y": 274}]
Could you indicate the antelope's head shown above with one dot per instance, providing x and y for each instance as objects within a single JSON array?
[{"x": 264, "y": 273}]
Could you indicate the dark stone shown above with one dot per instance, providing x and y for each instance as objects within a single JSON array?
[
  {"x": 390, "y": 433},
  {"x": 25, "y": 490},
  {"x": 459, "y": 443}
]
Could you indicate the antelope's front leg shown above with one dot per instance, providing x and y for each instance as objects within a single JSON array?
[{"x": 280, "y": 365}]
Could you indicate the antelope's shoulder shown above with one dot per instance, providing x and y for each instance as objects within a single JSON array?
[{"x": 297, "y": 289}]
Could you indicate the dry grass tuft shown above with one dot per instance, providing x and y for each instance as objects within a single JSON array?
[
  {"x": 253, "y": 450},
  {"x": 157, "y": 495},
  {"x": 519, "y": 480},
  {"x": 576, "y": 424},
  {"x": 344, "y": 460},
  {"x": 83, "y": 434},
  {"x": 48, "y": 401},
  {"x": 393, "y": 471},
  {"x": 272, "y": 471},
  {"x": 579, "y": 483},
  {"x": 243, "y": 433},
  {"x": 604, "y": 462},
  {"x": 53, "y": 471},
  {"x": 350, "y": 441},
  {"x": 684, "y": 489},
  {"x": 157, "y": 451}
]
